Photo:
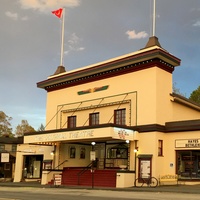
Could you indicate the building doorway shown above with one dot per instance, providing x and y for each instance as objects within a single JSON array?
[
  {"x": 188, "y": 164},
  {"x": 32, "y": 166}
]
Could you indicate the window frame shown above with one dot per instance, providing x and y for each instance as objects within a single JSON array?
[
  {"x": 120, "y": 116},
  {"x": 94, "y": 119},
  {"x": 71, "y": 121},
  {"x": 82, "y": 152},
  {"x": 72, "y": 152},
  {"x": 160, "y": 147},
  {"x": 2, "y": 147}
]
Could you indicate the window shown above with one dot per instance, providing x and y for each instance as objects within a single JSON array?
[
  {"x": 120, "y": 116},
  {"x": 2, "y": 147},
  {"x": 14, "y": 148},
  {"x": 6, "y": 166},
  {"x": 47, "y": 164},
  {"x": 71, "y": 121},
  {"x": 94, "y": 119},
  {"x": 72, "y": 152},
  {"x": 82, "y": 153},
  {"x": 160, "y": 147}
]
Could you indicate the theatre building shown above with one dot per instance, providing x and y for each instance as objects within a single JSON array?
[{"x": 113, "y": 121}]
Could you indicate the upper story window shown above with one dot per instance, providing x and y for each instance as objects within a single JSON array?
[
  {"x": 71, "y": 122},
  {"x": 14, "y": 147},
  {"x": 160, "y": 147},
  {"x": 94, "y": 119},
  {"x": 120, "y": 116},
  {"x": 2, "y": 147}
]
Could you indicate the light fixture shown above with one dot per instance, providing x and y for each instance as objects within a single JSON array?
[
  {"x": 93, "y": 143},
  {"x": 127, "y": 141},
  {"x": 52, "y": 153},
  {"x": 136, "y": 149}
]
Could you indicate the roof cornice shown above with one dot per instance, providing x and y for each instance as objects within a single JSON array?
[
  {"x": 184, "y": 101},
  {"x": 124, "y": 64}
]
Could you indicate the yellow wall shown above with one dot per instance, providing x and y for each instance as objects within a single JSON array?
[
  {"x": 181, "y": 112},
  {"x": 147, "y": 89},
  {"x": 26, "y": 149},
  {"x": 77, "y": 161}
]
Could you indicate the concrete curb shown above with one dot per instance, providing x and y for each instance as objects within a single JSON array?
[{"x": 192, "y": 189}]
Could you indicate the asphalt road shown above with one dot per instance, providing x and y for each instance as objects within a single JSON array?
[{"x": 31, "y": 193}]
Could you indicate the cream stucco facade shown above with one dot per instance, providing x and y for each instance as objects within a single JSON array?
[{"x": 122, "y": 104}]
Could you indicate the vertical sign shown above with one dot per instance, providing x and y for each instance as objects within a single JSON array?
[{"x": 92, "y": 155}]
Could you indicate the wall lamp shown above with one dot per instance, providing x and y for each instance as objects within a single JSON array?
[
  {"x": 136, "y": 149},
  {"x": 93, "y": 143}
]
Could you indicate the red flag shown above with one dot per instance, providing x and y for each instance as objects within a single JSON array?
[{"x": 58, "y": 13}]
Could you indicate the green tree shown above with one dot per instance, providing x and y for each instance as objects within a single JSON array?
[
  {"x": 23, "y": 128},
  {"x": 5, "y": 126},
  {"x": 195, "y": 95},
  {"x": 177, "y": 90},
  {"x": 41, "y": 128}
]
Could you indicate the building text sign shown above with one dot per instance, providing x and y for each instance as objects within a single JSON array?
[
  {"x": 106, "y": 132},
  {"x": 5, "y": 157},
  {"x": 187, "y": 143}
]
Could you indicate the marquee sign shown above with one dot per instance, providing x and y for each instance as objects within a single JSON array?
[{"x": 108, "y": 132}]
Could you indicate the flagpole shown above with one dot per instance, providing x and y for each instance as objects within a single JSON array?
[
  {"x": 154, "y": 17},
  {"x": 62, "y": 37}
]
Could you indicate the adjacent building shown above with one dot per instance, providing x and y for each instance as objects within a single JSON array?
[{"x": 8, "y": 148}]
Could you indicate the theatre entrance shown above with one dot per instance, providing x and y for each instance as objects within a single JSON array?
[{"x": 112, "y": 155}]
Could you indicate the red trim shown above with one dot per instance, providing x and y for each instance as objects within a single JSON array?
[{"x": 111, "y": 73}]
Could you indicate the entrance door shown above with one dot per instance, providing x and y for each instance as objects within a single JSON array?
[
  {"x": 36, "y": 169},
  {"x": 100, "y": 155},
  {"x": 32, "y": 166}
]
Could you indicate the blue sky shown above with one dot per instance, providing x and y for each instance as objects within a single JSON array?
[{"x": 95, "y": 30}]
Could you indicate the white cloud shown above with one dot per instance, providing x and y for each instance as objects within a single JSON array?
[
  {"x": 25, "y": 18},
  {"x": 133, "y": 35},
  {"x": 11, "y": 15},
  {"x": 73, "y": 44},
  {"x": 15, "y": 16},
  {"x": 197, "y": 23},
  {"x": 48, "y": 5}
]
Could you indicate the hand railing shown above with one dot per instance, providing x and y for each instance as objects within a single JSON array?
[
  {"x": 57, "y": 166},
  {"x": 84, "y": 170}
]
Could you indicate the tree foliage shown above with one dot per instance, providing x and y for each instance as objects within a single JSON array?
[
  {"x": 177, "y": 90},
  {"x": 195, "y": 95},
  {"x": 5, "y": 126},
  {"x": 41, "y": 128},
  {"x": 23, "y": 128}
]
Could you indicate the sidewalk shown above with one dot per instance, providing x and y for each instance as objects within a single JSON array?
[{"x": 192, "y": 189}]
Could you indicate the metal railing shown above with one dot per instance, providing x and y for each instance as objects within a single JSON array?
[
  {"x": 84, "y": 170},
  {"x": 57, "y": 166}
]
